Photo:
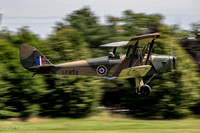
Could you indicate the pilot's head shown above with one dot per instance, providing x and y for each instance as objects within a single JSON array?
[{"x": 111, "y": 55}]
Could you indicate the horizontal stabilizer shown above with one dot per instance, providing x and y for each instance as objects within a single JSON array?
[
  {"x": 34, "y": 67},
  {"x": 134, "y": 72}
]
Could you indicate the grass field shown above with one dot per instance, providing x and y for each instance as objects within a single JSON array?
[{"x": 100, "y": 124}]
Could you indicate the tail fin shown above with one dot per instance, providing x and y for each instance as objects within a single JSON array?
[{"x": 31, "y": 57}]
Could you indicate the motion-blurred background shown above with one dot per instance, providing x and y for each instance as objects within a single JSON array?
[{"x": 66, "y": 31}]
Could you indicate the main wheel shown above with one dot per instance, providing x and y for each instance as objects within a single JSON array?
[{"x": 145, "y": 90}]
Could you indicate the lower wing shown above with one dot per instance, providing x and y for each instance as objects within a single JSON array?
[{"x": 134, "y": 72}]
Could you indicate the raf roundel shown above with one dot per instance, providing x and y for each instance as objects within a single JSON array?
[{"x": 101, "y": 70}]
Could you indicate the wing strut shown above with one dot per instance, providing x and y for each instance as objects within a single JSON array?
[
  {"x": 114, "y": 50},
  {"x": 129, "y": 47},
  {"x": 133, "y": 54},
  {"x": 150, "y": 50}
]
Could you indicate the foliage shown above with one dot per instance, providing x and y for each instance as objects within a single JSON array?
[
  {"x": 24, "y": 35},
  {"x": 86, "y": 23},
  {"x": 72, "y": 96},
  {"x": 18, "y": 90},
  {"x": 196, "y": 29},
  {"x": 66, "y": 45}
]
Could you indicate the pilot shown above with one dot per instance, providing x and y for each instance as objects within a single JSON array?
[{"x": 111, "y": 55}]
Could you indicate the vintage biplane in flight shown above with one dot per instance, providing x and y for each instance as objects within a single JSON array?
[{"x": 137, "y": 63}]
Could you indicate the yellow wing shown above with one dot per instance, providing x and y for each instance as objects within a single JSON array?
[
  {"x": 134, "y": 72},
  {"x": 143, "y": 39}
]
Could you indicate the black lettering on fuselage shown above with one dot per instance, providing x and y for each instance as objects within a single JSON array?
[{"x": 70, "y": 72}]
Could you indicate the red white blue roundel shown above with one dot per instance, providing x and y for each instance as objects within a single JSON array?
[{"x": 101, "y": 70}]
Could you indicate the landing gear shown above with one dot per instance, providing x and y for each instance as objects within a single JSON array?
[
  {"x": 143, "y": 90},
  {"x": 135, "y": 90}
]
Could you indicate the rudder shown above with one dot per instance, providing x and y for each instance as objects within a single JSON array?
[{"x": 30, "y": 57}]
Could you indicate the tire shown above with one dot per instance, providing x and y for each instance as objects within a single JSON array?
[{"x": 145, "y": 90}]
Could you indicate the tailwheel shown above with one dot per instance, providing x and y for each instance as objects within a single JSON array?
[{"x": 145, "y": 90}]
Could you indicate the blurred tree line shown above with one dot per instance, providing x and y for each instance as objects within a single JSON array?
[
  {"x": 192, "y": 43},
  {"x": 78, "y": 36}
]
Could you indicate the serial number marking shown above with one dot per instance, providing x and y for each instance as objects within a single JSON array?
[{"x": 70, "y": 72}]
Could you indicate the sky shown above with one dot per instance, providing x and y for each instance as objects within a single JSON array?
[{"x": 41, "y": 15}]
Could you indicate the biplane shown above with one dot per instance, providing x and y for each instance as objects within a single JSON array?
[{"x": 138, "y": 62}]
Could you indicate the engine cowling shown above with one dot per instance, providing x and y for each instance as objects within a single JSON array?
[{"x": 163, "y": 63}]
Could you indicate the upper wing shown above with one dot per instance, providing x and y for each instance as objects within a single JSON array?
[
  {"x": 134, "y": 72},
  {"x": 115, "y": 44},
  {"x": 142, "y": 39}
]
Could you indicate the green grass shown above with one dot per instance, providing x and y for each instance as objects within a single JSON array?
[{"x": 100, "y": 124}]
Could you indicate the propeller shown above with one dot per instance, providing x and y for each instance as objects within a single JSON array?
[{"x": 174, "y": 57}]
